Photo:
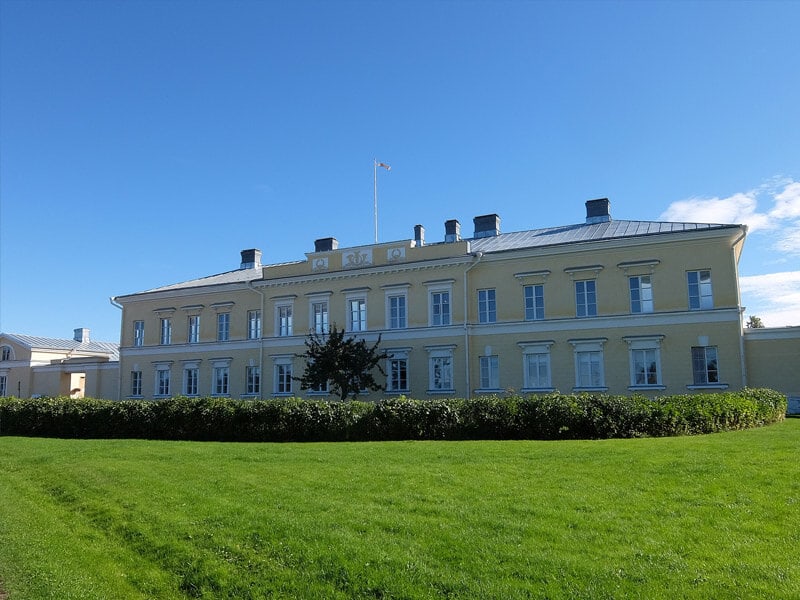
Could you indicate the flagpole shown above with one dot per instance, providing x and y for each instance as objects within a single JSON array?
[{"x": 375, "y": 194}]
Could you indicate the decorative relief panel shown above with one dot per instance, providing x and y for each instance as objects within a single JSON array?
[
  {"x": 357, "y": 258},
  {"x": 320, "y": 264},
  {"x": 393, "y": 254}
]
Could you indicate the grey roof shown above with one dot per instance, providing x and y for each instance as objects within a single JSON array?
[
  {"x": 237, "y": 276},
  {"x": 45, "y": 343},
  {"x": 583, "y": 232}
]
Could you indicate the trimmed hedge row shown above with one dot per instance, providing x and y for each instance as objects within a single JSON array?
[{"x": 543, "y": 417}]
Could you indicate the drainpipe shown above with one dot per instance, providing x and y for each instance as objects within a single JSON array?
[
  {"x": 477, "y": 256},
  {"x": 742, "y": 356},
  {"x": 116, "y": 304},
  {"x": 260, "y": 341}
]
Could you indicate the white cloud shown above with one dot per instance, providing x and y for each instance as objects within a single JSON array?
[
  {"x": 787, "y": 203},
  {"x": 774, "y": 297}
]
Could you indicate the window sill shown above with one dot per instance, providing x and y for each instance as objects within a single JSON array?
[
  {"x": 220, "y": 395},
  {"x": 441, "y": 392},
  {"x": 537, "y": 390},
  {"x": 137, "y": 397},
  {"x": 489, "y": 391},
  {"x": 708, "y": 386},
  {"x": 317, "y": 393},
  {"x": 396, "y": 392},
  {"x": 637, "y": 388},
  {"x": 590, "y": 389},
  {"x": 283, "y": 395}
]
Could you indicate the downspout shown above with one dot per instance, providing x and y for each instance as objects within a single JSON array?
[
  {"x": 477, "y": 256},
  {"x": 114, "y": 302},
  {"x": 260, "y": 341},
  {"x": 741, "y": 308}
]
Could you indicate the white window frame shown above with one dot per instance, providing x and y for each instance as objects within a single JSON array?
[
  {"x": 163, "y": 380},
  {"x": 487, "y": 305},
  {"x": 254, "y": 324},
  {"x": 589, "y": 352},
  {"x": 356, "y": 306},
  {"x": 3, "y": 385},
  {"x": 138, "y": 333},
  {"x": 538, "y": 352},
  {"x": 395, "y": 358},
  {"x": 705, "y": 381},
  {"x": 221, "y": 380},
  {"x": 585, "y": 299},
  {"x": 191, "y": 378},
  {"x": 437, "y": 316},
  {"x": 282, "y": 375},
  {"x": 319, "y": 313},
  {"x": 645, "y": 351},
  {"x": 136, "y": 383},
  {"x": 489, "y": 372},
  {"x": 643, "y": 289},
  {"x": 252, "y": 380},
  {"x": 166, "y": 331},
  {"x": 700, "y": 293},
  {"x": 284, "y": 318},
  {"x": 397, "y": 316},
  {"x": 193, "y": 329},
  {"x": 534, "y": 301},
  {"x": 441, "y": 369},
  {"x": 223, "y": 326}
]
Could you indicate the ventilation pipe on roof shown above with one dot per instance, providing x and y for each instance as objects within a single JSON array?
[
  {"x": 452, "y": 231},
  {"x": 487, "y": 226},
  {"x": 251, "y": 259},
  {"x": 419, "y": 235},
  {"x": 81, "y": 335},
  {"x": 326, "y": 244},
  {"x": 598, "y": 211}
]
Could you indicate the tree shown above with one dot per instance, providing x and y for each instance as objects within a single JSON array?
[
  {"x": 754, "y": 322},
  {"x": 345, "y": 364}
]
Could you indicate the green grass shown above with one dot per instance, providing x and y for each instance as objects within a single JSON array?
[{"x": 693, "y": 517}]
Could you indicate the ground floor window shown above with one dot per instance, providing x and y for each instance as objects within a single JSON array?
[
  {"x": 490, "y": 372},
  {"x": 705, "y": 367},
  {"x": 536, "y": 365},
  {"x": 136, "y": 383},
  {"x": 282, "y": 375},
  {"x": 253, "y": 384},
  {"x": 3, "y": 385}
]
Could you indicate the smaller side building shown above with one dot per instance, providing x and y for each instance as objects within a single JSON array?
[
  {"x": 32, "y": 366},
  {"x": 773, "y": 361}
]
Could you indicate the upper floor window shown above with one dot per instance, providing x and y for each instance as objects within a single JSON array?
[
  {"x": 5, "y": 353},
  {"x": 357, "y": 314},
  {"x": 396, "y": 311},
  {"x": 641, "y": 293},
  {"x": 319, "y": 316},
  {"x": 223, "y": 326},
  {"x": 487, "y": 306},
  {"x": 284, "y": 316},
  {"x": 138, "y": 333},
  {"x": 586, "y": 298},
  {"x": 534, "y": 302},
  {"x": 253, "y": 324},
  {"x": 440, "y": 308},
  {"x": 166, "y": 331},
  {"x": 700, "y": 294},
  {"x": 194, "y": 329},
  {"x": 705, "y": 368}
]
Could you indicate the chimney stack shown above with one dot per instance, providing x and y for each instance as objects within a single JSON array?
[
  {"x": 598, "y": 211},
  {"x": 251, "y": 259},
  {"x": 487, "y": 226},
  {"x": 452, "y": 231},
  {"x": 81, "y": 334},
  {"x": 326, "y": 244},
  {"x": 419, "y": 235}
]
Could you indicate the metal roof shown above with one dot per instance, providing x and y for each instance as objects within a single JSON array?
[
  {"x": 583, "y": 232},
  {"x": 45, "y": 343}
]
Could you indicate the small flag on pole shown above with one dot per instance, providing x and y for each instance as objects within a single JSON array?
[{"x": 385, "y": 166}]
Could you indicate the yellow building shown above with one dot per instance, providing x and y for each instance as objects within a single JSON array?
[
  {"x": 602, "y": 305},
  {"x": 38, "y": 366}
]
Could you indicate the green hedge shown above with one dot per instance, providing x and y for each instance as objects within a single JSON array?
[{"x": 545, "y": 417}]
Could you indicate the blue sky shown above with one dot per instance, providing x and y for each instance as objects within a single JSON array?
[{"x": 146, "y": 143}]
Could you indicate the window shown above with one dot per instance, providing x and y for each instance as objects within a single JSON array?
[
  {"x": 644, "y": 367},
  {"x": 190, "y": 379},
  {"x": 490, "y": 373},
  {"x": 586, "y": 298},
  {"x": 487, "y": 306},
  {"x": 221, "y": 380},
  {"x": 253, "y": 381},
  {"x": 534, "y": 302},
  {"x": 705, "y": 368},
  {"x": 5, "y": 353},
  {"x": 254, "y": 325},
  {"x": 440, "y": 308},
  {"x": 223, "y": 326},
  {"x": 285, "y": 321},
  {"x": 194, "y": 329},
  {"x": 319, "y": 316},
  {"x": 589, "y": 373},
  {"x": 166, "y": 331},
  {"x": 440, "y": 369},
  {"x": 641, "y": 290},
  {"x": 396, "y": 311},
  {"x": 700, "y": 294},
  {"x": 536, "y": 365},
  {"x": 283, "y": 378},
  {"x": 357, "y": 314},
  {"x": 138, "y": 333},
  {"x": 162, "y": 381},
  {"x": 3, "y": 385},
  {"x": 397, "y": 371}
]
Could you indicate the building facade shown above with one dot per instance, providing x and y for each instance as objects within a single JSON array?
[
  {"x": 32, "y": 366},
  {"x": 603, "y": 305}
]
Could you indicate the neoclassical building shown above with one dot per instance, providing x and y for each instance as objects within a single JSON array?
[{"x": 601, "y": 305}]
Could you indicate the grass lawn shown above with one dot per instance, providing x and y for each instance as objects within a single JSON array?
[{"x": 713, "y": 516}]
